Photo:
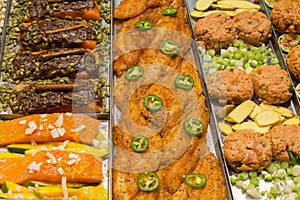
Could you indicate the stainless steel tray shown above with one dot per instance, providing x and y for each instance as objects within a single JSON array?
[
  {"x": 292, "y": 104},
  {"x": 212, "y": 136},
  {"x": 280, "y": 52},
  {"x": 103, "y": 50}
]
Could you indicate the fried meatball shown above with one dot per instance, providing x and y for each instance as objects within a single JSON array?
[
  {"x": 245, "y": 150},
  {"x": 271, "y": 84},
  {"x": 293, "y": 62},
  {"x": 282, "y": 137},
  {"x": 253, "y": 27},
  {"x": 230, "y": 86},
  {"x": 215, "y": 31},
  {"x": 285, "y": 16}
]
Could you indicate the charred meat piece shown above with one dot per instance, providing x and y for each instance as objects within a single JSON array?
[
  {"x": 72, "y": 63},
  {"x": 86, "y": 9},
  {"x": 39, "y": 98},
  {"x": 50, "y": 34}
]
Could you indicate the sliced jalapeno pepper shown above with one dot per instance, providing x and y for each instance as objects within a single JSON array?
[
  {"x": 169, "y": 11},
  {"x": 144, "y": 25},
  {"x": 294, "y": 160},
  {"x": 184, "y": 82},
  {"x": 153, "y": 102},
  {"x": 193, "y": 127},
  {"x": 147, "y": 181},
  {"x": 134, "y": 72},
  {"x": 169, "y": 47},
  {"x": 195, "y": 180},
  {"x": 139, "y": 143}
]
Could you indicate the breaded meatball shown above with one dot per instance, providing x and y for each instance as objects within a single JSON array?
[
  {"x": 253, "y": 27},
  {"x": 215, "y": 31},
  {"x": 293, "y": 62},
  {"x": 271, "y": 84},
  {"x": 230, "y": 86},
  {"x": 245, "y": 150},
  {"x": 282, "y": 137},
  {"x": 285, "y": 16}
]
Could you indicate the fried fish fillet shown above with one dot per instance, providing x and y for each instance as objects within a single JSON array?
[{"x": 215, "y": 184}]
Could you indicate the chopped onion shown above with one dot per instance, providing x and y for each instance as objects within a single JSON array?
[
  {"x": 23, "y": 121},
  {"x": 52, "y": 157},
  {"x": 54, "y": 133},
  {"x": 64, "y": 187},
  {"x": 78, "y": 129}
]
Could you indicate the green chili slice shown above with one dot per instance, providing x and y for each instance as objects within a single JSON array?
[
  {"x": 147, "y": 181},
  {"x": 193, "y": 127},
  {"x": 169, "y": 47},
  {"x": 294, "y": 160},
  {"x": 184, "y": 82},
  {"x": 134, "y": 72},
  {"x": 170, "y": 11},
  {"x": 153, "y": 102},
  {"x": 195, "y": 180},
  {"x": 144, "y": 25},
  {"x": 139, "y": 143}
]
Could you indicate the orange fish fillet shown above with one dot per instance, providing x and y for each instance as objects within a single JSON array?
[
  {"x": 77, "y": 167},
  {"x": 56, "y": 127}
]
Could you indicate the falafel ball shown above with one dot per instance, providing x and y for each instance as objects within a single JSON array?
[
  {"x": 245, "y": 150},
  {"x": 253, "y": 27},
  {"x": 285, "y": 16},
  {"x": 215, "y": 31},
  {"x": 293, "y": 62},
  {"x": 230, "y": 86},
  {"x": 282, "y": 137},
  {"x": 271, "y": 84}
]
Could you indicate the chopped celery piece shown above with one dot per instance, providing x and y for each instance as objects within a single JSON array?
[
  {"x": 253, "y": 174},
  {"x": 254, "y": 180},
  {"x": 240, "y": 184},
  {"x": 233, "y": 179},
  {"x": 211, "y": 52},
  {"x": 274, "y": 61},
  {"x": 297, "y": 179},
  {"x": 289, "y": 171},
  {"x": 268, "y": 177},
  {"x": 243, "y": 176},
  {"x": 296, "y": 170},
  {"x": 287, "y": 189},
  {"x": 271, "y": 168},
  {"x": 274, "y": 191},
  {"x": 253, "y": 193},
  {"x": 284, "y": 165},
  {"x": 238, "y": 55},
  {"x": 207, "y": 58},
  {"x": 281, "y": 173},
  {"x": 225, "y": 53}
]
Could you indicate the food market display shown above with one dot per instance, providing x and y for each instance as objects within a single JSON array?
[
  {"x": 251, "y": 86},
  {"x": 136, "y": 99},
  {"x": 54, "y": 87},
  {"x": 160, "y": 134}
]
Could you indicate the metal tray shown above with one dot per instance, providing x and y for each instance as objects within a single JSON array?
[
  {"x": 100, "y": 49},
  {"x": 292, "y": 104},
  {"x": 280, "y": 52},
  {"x": 213, "y": 141}
]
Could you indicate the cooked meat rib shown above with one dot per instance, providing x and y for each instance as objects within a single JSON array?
[
  {"x": 50, "y": 34},
  {"x": 86, "y": 9},
  {"x": 74, "y": 63}
]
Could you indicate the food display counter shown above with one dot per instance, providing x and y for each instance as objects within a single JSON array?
[{"x": 127, "y": 99}]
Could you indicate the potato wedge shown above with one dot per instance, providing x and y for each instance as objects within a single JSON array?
[
  {"x": 251, "y": 125},
  {"x": 267, "y": 118},
  {"x": 222, "y": 7},
  {"x": 203, "y": 5},
  {"x": 293, "y": 120},
  {"x": 285, "y": 112},
  {"x": 228, "y": 12},
  {"x": 256, "y": 110},
  {"x": 196, "y": 14},
  {"x": 241, "y": 112},
  {"x": 239, "y": 10},
  {"x": 268, "y": 107},
  {"x": 225, "y": 128},
  {"x": 239, "y": 4},
  {"x": 221, "y": 113}
]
